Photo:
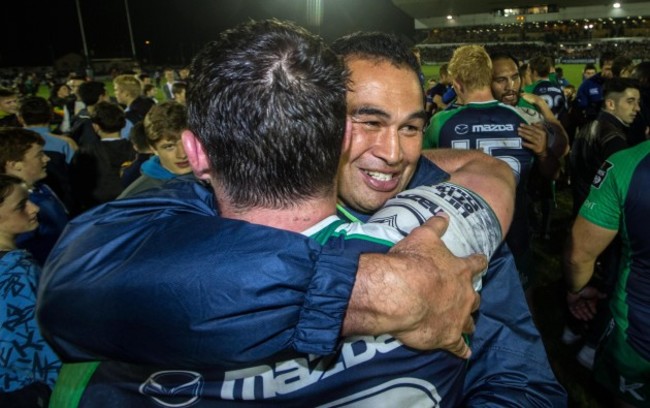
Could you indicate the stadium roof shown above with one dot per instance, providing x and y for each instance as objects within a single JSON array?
[
  {"x": 433, "y": 13},
  {"x": 419, "y": 9}
]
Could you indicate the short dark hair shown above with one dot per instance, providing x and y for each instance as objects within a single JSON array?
[
  {"x": 618, "y": 85},
  {"x": 621, "y": 63},
  {"x": 108, "y": 116},
  {"x": 35, "y": 110},
  {"x": 56, "y": 87},
  {"x": 147, "y": 87},
  {"x": 641, "y": 72},
  {"x": 138, "y": 137},
  {"x": 589, "y": 65},
  {"x": 503, "y": 55},
  {"x": 541, "y": 65},
  {"x": 90, "y": 92},
  {"x": 606, "y": 56},
  {"x": 267, "y": 102},
  {"x": 377, "y": 46},
  {"x": 522, "y": 69},
  {"x": 178, "y": 86},
  {"x": 14, "y": 144},
  {"x": 7, "y": 185}
]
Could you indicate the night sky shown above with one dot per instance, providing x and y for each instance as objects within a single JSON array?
[{"x": 36, "y": 33}]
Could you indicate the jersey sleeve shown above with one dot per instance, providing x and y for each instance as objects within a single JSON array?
[
  {"x": 603, "y": 205},
  {"x": 431, "y": 135}
]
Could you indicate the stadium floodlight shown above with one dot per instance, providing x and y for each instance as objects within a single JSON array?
[
  {"x": 450, "y": 17},
  {"x": 616, "y": 5}
]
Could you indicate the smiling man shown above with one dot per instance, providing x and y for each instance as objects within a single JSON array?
[
  {"x": 374, "y": 171},
  {"x": 384, "y": 105}
]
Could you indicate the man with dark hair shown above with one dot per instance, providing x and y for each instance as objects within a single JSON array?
[
  {"x": 74, "y": 104},
  {"x": 35, "y": 114},
  {"x": 178, "y": 90},
  {"x": 542, "y": 189},
  {"x": 559, "y": 76},
  {"x": 622, "y": 67},
  {"x": 540, "y": 70},
  {"x": 594, "y": 143},
  {"x": 604, "y": 136},
  {"x": 22, "y": 155},
  {"x": 139, "y": 142},
  {"x": 383, "y": 160},
  {"x": 506, "y": 88},
  {"x": 90, "y": 93},
  {"x": 96, "y": 167},
  {"x": 434, "y": 95},
  {"x": 590, "y": 93}
]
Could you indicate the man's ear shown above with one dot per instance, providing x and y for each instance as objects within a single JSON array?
[
  {"x": 14, "y": 168},
  {"x": 610, "y": 104},
  {"x": 458, "y": 87},
  {"x": 196, "y": 155}
]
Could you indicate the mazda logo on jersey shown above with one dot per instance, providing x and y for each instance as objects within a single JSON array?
[
  {"x": 461, "y": 129},
  {"x": 173, "y": 389}
]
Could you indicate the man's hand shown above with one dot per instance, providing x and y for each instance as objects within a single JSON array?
[
  {"x": 583, "y": 305},
  {"x": 534, "y": 138},
  {"x": 419, "y": 292}
]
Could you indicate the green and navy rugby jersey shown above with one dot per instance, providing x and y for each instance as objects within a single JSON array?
[
  {"x": 487, "y": 126},
  {"x": 551, "y": 93},
  {"x": 620, "y": 200}
]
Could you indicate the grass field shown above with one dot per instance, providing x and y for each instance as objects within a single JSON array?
[{"x": 572, "y": 72}]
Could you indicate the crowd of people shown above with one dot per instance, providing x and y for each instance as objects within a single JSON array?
[
  {"x": 548, "y": 31},
  {"x": 637, "y": 50},
  {"x": 304, "y": 224}
]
